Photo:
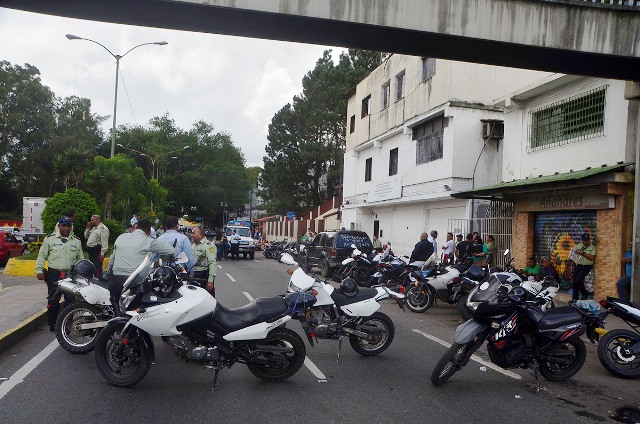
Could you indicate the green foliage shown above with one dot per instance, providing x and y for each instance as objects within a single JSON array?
[
  {"x": 115, "y": 229},
  {"x": 306, "y": 138},
  {"x": 81, "y": 202}
]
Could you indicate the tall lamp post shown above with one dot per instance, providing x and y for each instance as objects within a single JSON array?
[
  {"x": 117, "y": 57},
  {"x": 155, "y": 170}
]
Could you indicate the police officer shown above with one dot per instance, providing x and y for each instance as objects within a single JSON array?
[
  {"x": 205, "y": 254},
  {"x": 97, "y": 235},
  {"x": 62, "y": 250}
]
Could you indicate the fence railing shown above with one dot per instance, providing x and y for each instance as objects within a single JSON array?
[{"x": 500, "y": 228}]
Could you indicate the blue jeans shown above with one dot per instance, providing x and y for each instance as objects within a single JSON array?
[
  {"x": 624, "y": 288},
  {"x": 219, "y": 251}
]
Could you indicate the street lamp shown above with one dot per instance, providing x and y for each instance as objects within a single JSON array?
[
  {"x": 155, "y": 171},
  {"x": 117, "y": 58}
]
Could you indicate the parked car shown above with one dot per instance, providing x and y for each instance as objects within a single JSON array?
[
  {"x": 328, "y": 249},
  {"x": 9, "y": 247}
]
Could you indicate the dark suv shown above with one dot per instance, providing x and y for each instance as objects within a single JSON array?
[{"x": 328, "y": 249}]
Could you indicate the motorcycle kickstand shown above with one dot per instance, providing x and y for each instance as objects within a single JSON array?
[
  {"x": 339, "y": 347},
  {"x": 215, "y": 379},
  {"x": 535, "y": 373}
]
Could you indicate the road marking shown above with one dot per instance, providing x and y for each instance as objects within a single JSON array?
[
  {"x": 233, "y": 280},
  {"x": 19, "y": 376},
  {"x": 248, "y": 296},
  {"x": 255, "y": 260},
  {"x": 314, "y": 370},
  {"x": 220, "y": 266},
  {"x": 473, "y": 357}
]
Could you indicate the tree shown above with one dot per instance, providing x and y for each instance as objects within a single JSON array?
[{"x": 81, "y": 202}]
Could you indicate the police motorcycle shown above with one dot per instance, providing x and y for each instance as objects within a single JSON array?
[
  {"x": 619, "y": 349},
  {"x": 358, "y": 266},
  {"x": 347, "y": 311},
  {"x": 79, "y": 323},
  {"x": 197, "y": 328},
  {"x": 520, "y": 335}
]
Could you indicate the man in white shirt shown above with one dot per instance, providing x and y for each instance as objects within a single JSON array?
[
  {"x": 234, "y": 241},
  {"x": 449, "y": 247},
  {"x": 178, "y": 241}
]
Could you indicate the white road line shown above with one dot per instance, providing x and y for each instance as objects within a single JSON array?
[
  {"x": 255, "y": 260},
  {"x": 233, "y": 280},
  {"x": 473, "y": 357},
  {"x": 248, "y": 296},
  {"x": 314, "y": 370},
  {"x": 19, "y": 376},
  {"x": 220, "y": 266}
]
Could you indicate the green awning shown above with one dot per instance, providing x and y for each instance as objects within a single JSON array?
[{"x": 556, "y": 180}]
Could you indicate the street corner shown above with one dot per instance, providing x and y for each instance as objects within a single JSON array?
[
  {"x": 13, "y": 335},
  {"x": 20, "y": 268}
]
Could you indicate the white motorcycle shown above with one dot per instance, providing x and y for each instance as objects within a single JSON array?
[
  {"x": 79, "y": 323},
  {"x": 347, "y": 311},
  {"x": 197, "y": 328}
]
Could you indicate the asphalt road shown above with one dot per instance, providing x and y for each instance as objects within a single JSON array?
[{"x": 390, "y": 388}]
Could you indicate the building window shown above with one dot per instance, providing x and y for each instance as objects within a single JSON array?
[
  {"x": 386, "y": 94},
  {"x": 352, "y": 124},
  {"x": 393, "y": 161},
  {"x": 366, "y": 103},
  {"x": 367, "y": 169},
  {"x": 428, "y": 137},
  {"x": 573, "y": 119},
  {"x": 428, "y": 67},
  {"x": 400, "y": 86}
]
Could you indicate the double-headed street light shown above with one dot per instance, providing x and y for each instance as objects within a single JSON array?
[
  {"x": 155, "y": 170},
  {"x": 117, "y": 57}
]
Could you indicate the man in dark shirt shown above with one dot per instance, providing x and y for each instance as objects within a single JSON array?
[
  {"x": 422, "y": 251},
  {"x": 548, "y": 270},
  {"x": 464, "y": 249}
]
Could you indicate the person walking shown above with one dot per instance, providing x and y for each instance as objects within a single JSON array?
[
  {"x": 624, "y": 284},
  {"x": 97, "y": 235},
  {"x": 448, "y": 249},
  {"x": 421, "y": 252},
  {"x": 205, "y": 266},
  {"x": 586, "y": 260},
  {"x": 234, "y": 241},
  {"x": 129, "y": 250},
  {"x": 62, "y": 250},
  {"x": 178, "y": 241}
]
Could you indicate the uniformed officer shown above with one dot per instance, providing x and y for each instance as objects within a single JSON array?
[
  {"x": 204, "y": 253},
  {"x": 62, "y": 250},
  {"x": 97, "y": 235}
]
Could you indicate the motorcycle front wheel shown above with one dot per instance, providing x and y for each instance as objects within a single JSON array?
[
  {"x": 72, "y": 338},
  {"x": 278, "y": 356},
  {"x": 121, "y": 363},
  {"x": 612, "y": 356},
  {"x": 452, "y": 362},
  {"x": 419, "y": 300},
  {"x": 561, "y": 361},
  {"x": 380, "y": 331},
  {"x": 464, "y": 312}
]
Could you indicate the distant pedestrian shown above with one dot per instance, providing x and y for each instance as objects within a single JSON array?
[
  {"x": 178, "y": 241},
  {"x": 234, "y": 241},
  {"x": 586, "y": 260},
  {"x": 97, "y": 235},
  {"x": 377, "y": 244},
  {"x": 491, "y": 249},
  {"x": 433, "y": 235},
  {"x": 624, "y": 284},
  {"x": 62, "y": 250},
  {"x": 421, "y": 252},
  {"x": 134, "y": 219},
  {"x": 448, "y": 248},
  {"x": 204, "y": 253},
  {"x": 464, "y": 249}
]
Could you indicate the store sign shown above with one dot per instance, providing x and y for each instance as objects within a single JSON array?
[
  {"x": 385, "y": 191},
  {"x": 570, "y": 200}
]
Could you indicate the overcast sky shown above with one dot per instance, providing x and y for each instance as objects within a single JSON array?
[{"x": 237, "y": 84}]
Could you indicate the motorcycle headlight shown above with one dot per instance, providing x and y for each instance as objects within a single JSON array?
[
  {"x": 252, "y": 243},
  {"x": 473, "y": 305},
  {"x": 125, "y": 301}
]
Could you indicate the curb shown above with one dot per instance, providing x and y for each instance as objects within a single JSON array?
[
  {"x": 27, "y": 267},
  {"x": 22, "y": 330}
]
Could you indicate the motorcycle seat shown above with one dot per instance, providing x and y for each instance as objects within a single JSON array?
[
  {"x": 558, "y": 317},
  {"x": 263, "y": 309},
  {"x": 363, "y": 294}
]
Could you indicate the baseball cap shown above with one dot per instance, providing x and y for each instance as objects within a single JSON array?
[
  {"x": 459, "y": 235},
  {"x": 585, "y": 236},
  {"x": 65, "y": 220}
]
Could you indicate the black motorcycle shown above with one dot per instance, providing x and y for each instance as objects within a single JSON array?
[
  {"x": 520, "y": 335},
  {"x": 619, "y": 350}
]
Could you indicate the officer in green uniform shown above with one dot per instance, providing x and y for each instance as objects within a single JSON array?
[
  {"x": 62, "y": 250},
  {"x": 204, "y": 253}
]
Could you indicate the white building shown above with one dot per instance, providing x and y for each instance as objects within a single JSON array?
[{"x": 414, "y": 136}]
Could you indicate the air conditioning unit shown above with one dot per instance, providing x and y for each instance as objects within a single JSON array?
[{"x": 492, "y": 129}]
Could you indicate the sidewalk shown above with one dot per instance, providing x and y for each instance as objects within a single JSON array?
[{"x": 23, "y": 302}]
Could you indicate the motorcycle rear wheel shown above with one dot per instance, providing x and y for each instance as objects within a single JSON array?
[
  {"x": 573, "y": 351},
  {"x": 380, "y": 340},
  {"x": 72, "y": 339},
  {"x": 613, "y": 359},
  {"x": 418, "y": 300},
  {"x": 119, "y": 364},
  {"x": 450, "y": 363},
  {"x": 285, "y": 364}
]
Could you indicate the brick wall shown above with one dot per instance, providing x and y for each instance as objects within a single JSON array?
[
  {"x": 612, "y": 238},
  {"x": 522, "y": 246}
]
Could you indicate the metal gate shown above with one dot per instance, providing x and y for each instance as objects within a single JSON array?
[{"x": 500, "y": 228}]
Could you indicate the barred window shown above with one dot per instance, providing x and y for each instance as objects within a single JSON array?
[
  {"x": 352, "y": 124},
  {"x": 428, "y": 137},
  {"x": 393, "y": 161},
  {"x": 368, "y": 166},
  {"x": 366, "y": 104},
  {"x": 400, "y": 86},
  {"x": 428, "y": 67},
  {"x": 573, "y": 119},
  {"x": 386, "y": 94}
]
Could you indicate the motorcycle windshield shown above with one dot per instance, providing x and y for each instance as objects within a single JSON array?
[
  {"x": 300, "y": 280},
  {"x": 487, "y": 291},
  {"x": 139, "y": 274}
]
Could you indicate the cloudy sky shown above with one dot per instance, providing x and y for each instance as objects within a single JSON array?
[{"x": 237, "y": 84}]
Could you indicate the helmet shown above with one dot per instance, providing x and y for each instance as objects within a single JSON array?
[
  {"x": 84, "y": 268},
  {"x": 349, "y": 287}
]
